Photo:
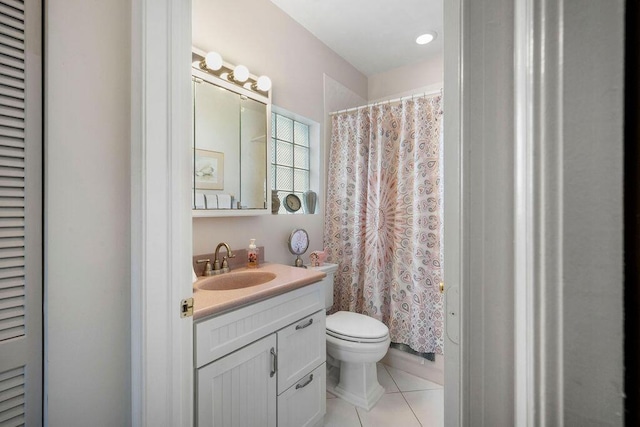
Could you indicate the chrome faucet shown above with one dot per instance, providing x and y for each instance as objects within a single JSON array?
[{"x": 217, "y": 269}]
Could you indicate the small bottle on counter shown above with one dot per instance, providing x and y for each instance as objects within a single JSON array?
[{"x": 252, "y": 254}]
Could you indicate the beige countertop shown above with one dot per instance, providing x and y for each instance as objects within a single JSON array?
[{"x": 207, "y": 303}]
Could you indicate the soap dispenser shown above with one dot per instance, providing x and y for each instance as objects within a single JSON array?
[{"x": 252, "y": 254}]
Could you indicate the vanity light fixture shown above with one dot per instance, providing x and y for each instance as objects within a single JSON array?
[
  {"x": 426, "y": 38},
  {"x": 213, "y": 64}
]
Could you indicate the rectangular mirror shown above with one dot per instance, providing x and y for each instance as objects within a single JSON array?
[
  {"x": 229, "y": 147},
  {"x": 253, "y": 149}
]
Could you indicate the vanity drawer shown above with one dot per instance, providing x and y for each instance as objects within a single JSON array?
[
  {"x": 304, "y": 403},
  {"x": 225, "y": 333},
  {"x": 301, "y": 348}
]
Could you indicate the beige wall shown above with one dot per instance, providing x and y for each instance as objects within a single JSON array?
[
  {"x": 424, "y": 76},
  {"x": 87, "y": 143}
]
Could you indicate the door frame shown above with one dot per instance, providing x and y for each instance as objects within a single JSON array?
[
  {"x": 162, "y": 371},
  {"x": 546, "y": 293},
  {"x": 161, "y": 341},
  {"x": 456, "y": 398},
  {"x": 463, "y": 384},
  {"x": 162, "y": 346}
]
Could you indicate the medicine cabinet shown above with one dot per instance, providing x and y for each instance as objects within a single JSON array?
[{"x": 230, "y": 150}]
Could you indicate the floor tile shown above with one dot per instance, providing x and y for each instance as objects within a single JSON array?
[
  {"x": 391, "y": 410},
  {"x": 330, "y": 396},
  {"x": 428, "y": 406},
  {"x": 385, "y": 379},
  {"x": 408, "y": 382},
  {"x": 341, "y": 414}
]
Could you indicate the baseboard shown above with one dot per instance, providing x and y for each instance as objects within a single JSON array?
[{"x": 415, "y": 365}]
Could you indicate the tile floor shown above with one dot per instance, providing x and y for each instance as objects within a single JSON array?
[{"x": 408, "y": 401}]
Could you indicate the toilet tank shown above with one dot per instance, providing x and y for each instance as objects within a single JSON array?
[{"x": 329, "y": 269}]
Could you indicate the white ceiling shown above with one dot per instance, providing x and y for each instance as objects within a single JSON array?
[{"x": 373, "y": 35}]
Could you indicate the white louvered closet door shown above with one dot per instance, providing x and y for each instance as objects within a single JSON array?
[{"x": 20, "y": 213}]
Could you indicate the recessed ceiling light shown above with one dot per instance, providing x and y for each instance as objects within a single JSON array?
[{"x": 426, "y": 38}]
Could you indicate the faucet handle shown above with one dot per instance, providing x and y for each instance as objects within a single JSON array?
[
  {"x": 225, "y": 264},
  {"x": 207, "y": 266},
  {"x": 216, "y": 262}
]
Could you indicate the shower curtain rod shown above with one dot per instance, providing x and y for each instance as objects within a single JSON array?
[{"x": 373, "y": 104}]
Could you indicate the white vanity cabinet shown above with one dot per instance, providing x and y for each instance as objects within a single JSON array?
[{"x": 263, "y": 364}]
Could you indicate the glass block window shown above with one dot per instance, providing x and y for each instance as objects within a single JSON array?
[{"x": 289, "y": 157}]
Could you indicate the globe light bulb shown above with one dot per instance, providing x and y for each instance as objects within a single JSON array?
[
  {"x": 213, "y": 60},
  {"x": 264, "y": 83},
  {"x": 240, "y": 73}
]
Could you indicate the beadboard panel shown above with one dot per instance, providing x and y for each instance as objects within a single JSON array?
[
  {"x": 238, "y": 390},
  {"x": 227, "y": 332}
]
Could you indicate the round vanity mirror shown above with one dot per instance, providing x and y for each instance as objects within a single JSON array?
[{"x": 298, "y": 244}]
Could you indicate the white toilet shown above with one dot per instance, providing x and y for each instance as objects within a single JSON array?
[{"x": 355, "y": 343}]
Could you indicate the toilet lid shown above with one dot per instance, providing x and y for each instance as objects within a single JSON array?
[{"x": 356, "y": 327}]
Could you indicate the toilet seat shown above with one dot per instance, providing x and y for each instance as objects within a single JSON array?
[
  {"x": 356, "y": 327},
  {"x": 357, "y": 339}
]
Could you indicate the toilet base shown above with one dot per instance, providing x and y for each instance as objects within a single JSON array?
[{"x": 357, "y": 383}]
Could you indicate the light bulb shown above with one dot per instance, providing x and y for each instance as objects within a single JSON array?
[
  {"x": 263, "y": 83},
  {"x": 240, "y": 73},
  {"x": 213, "y": 60},
  {"x": 426, "y": 38}
]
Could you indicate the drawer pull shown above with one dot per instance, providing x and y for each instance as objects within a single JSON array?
[
  {"x": 306, "y": 383},
  {"x": 298, "y": 327},
  {"x": 274, "y": 362}
]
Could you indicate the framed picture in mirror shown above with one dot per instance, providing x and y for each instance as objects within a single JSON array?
[{"x": 208, "y": 169}]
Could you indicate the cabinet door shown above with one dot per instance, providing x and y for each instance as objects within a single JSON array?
[
  {"x": 301, "y": 348},
  {"x": 304, "y": 403},
  {"x": 239, "y": 390}
]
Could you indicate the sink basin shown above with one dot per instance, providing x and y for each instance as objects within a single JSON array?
[{"x": 239, "y": 280}]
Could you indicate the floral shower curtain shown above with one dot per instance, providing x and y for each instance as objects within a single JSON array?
[{"x": 383, "y": 218}]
